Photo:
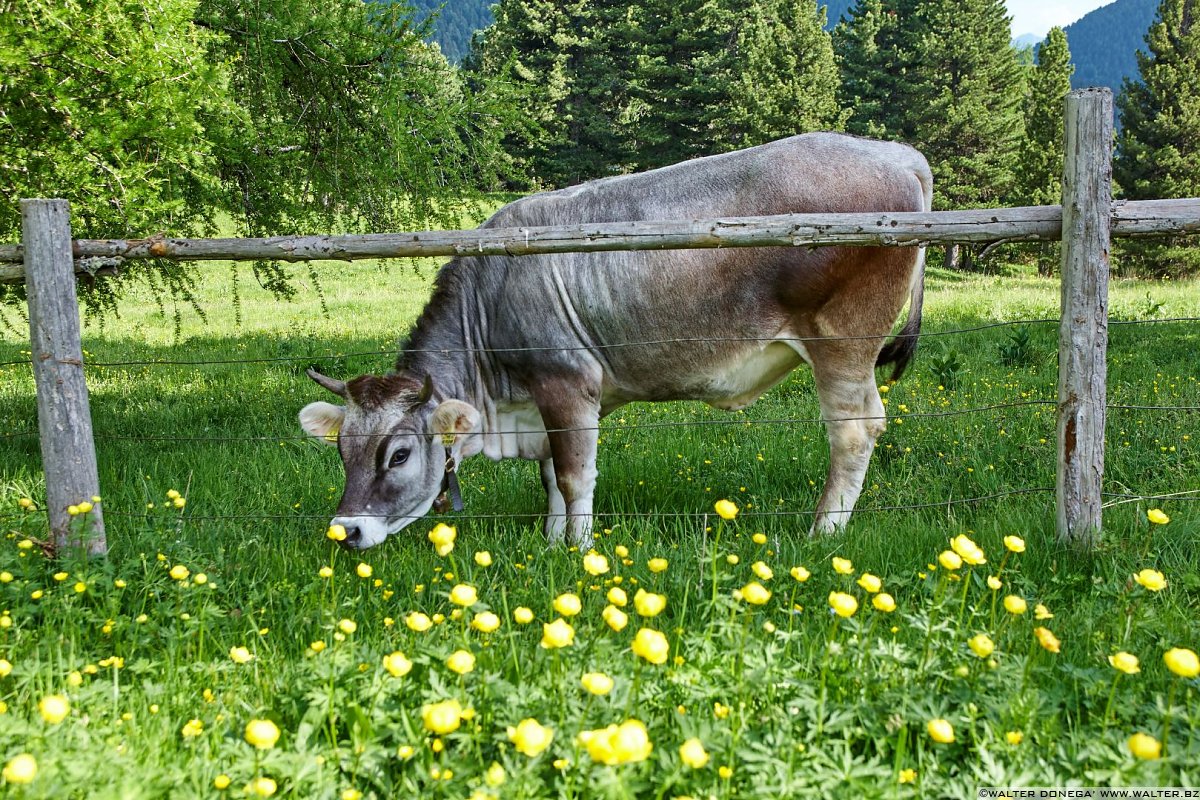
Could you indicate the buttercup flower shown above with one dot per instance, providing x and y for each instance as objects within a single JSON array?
[
  {"x": 940, "y": 731},
  {"x": 179, "y": 572},
  {"x": 263, "y": 786},
  {"x": 651, "y": 645},
  {"x": 397, "y": 664},
  {"x": 649, "y": 604},
  {"x": 568, "y": 604},
  {"x": 416, "y": 621},
  {"x": 800, "y": 574},
  {"x": 192, "y": 728},
  {"x": 1015, "y": 605},
  {"x": 364, "y": 570},
  {"x": 761, "y": 569},
  {"x": 523, "y": 615},
  {"x": 1014, "y": 738},
  {"x": 483, "y": 558},
  {"x": 1015, "y": 544},
  {"x": 843, "y": 566},
  {"x": 1151, "y": 579},
  {"x": 336, "y": 533},
  {"x": 442, "y": 718},
  {"x": 1125, "y": 662},
  {"x": 755, "y": 593},
  {"x": 262, "y": 733},
  {"x": 616, "y": 595},
  {"x": 240, "y": 655},
  {"x": 967, "y": 550},
  {"x": 950, "y": 560},
  {"x": 485, "y": 622},
  {"x": 981, "y": 645},
  {"x": 615, "y": 618},
  {"x": 557, "y": 634},
  {"x": 1157, "y": 516},
  {"x": 595, "y": 564},
  {"x": 596, "y": 683},
  {"x": 1182, "y": 662},
  {"x": 460, "y": 661},
  {"x": 994, "y": 583},
  {"x": 54, "y": 708},
  {"x": 726, "y": 509},
  {"x": 884, "y": 602},
  {"x": 1041, "y": 612},
  {"x": 347, "y": 626},
  {"x": 869, "y": 583},
  {"x": 693, "y": 754},
  {"x": 1145, "y": 746},
  {"x": 20, "y": 769},
  {"x": 906, "y": 776},
  {"x": 844, "y": 605},
  {"x": 464, "y": 595},
  {"x": 1047, "y": 639},
  {"x": 495, "y": 775},
  {"x": 657, "y": 564},
  {"x": 626, "y": 743},
  {"x": 443, "y": 537},
  {"x": 530, "y": 737}
]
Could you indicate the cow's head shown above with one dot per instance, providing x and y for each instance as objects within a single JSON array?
[{"x": 393, "y": 438}]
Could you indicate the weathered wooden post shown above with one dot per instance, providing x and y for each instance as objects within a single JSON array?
[
  {"x": 1083, "y": 330},
  {"x": 64, "y": 416}
]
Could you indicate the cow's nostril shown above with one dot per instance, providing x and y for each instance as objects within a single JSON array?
[{"x": 353, "y": 537}]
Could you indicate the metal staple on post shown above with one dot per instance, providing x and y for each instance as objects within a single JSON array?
[
  {"x": 64, "y": 416},
  {"x": 1083, "y": 330}
]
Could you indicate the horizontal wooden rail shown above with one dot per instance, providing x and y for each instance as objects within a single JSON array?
[{"x": 1030, "y": 223}]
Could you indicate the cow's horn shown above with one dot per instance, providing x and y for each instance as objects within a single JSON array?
[
  {"x": 426, "y": 391},
  {"x": 335, "y": 386}
]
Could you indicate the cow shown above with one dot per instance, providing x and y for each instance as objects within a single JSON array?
[{"x": 520, "y": 357}]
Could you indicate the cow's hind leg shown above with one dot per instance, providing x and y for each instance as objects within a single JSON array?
[
  {"x": 556, "y": 506},
  {"x": 572, "y": 420},
  {"x": 854, "y": 419}
]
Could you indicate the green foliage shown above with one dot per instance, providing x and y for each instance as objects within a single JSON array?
[
  {"x": 455, "y": 22},
  {"x": 1040, "y": 176},
  {"x": 1158, "y": 151}
]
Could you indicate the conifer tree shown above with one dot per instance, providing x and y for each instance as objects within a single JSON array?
[
  {"x": 1040, "y": 175},
  {"x": 1158, "y": 151},
  {"x": 875, "y": 54}
]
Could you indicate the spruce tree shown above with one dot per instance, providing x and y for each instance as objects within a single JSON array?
[
  {"x": 1158, "y": 150},
  {"x": 1040, "y": 177},
  {"x": 874, "y": 46}
]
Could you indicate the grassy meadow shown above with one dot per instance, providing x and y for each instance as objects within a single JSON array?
[{"x": 227, "y": 648}]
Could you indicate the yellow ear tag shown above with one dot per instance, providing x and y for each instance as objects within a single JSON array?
[
  {"x": 448, "y": 439},
  {"x": 332, "y": 435}
]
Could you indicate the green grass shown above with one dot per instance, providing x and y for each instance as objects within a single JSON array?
[{"x": 814, "y": 705}]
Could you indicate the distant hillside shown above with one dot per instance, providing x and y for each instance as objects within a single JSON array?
[
  {"x": 1104, "y": 42},
  {"x": 835, "y": 10},
  {"x": 456, "y": 22}
]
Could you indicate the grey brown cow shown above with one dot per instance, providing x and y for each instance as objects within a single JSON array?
[{"x": 520, "y": 357}]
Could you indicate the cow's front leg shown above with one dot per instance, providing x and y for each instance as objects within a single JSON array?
[
  {"x": 855, "y": 418},
  {"x": 572, "y": 421},
  {"x": 556, "y": 511}
]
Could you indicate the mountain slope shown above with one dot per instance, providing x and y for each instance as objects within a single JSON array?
[{"x": 1104, "y": 42}]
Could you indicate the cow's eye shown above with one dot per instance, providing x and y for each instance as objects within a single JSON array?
[{"x": 399, "y": 457}]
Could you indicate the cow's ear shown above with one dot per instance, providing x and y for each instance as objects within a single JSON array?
[
  {"x": 322, "y": 420},
  {"x": 453, "y": 419}
]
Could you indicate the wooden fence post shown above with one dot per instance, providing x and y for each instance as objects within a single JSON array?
[
  {"x": 64, "y": 416},
  {"x": 1083, "y": 329}
]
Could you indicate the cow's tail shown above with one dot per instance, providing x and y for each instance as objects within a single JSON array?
[{"x": 903, "y": 346}]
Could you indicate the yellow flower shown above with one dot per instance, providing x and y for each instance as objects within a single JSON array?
[
  {"x": 618, "y": 744},
  {"x": 940, "y": 731},
  {"x": 54, "y": 708},
  {"x": 1151, "y": 579},
  {"x": 530, "y": 737},
  {"x": 869, "y": 583},
  {"x": 755, "y": 593},
  {"x": 397, "y": 664},
  {"x": 1014, "y": 738},
  {"x": 649, "y": 604},
  {"x": 1145, "y": 746},
  {"x": 523, "y": 615},
  {"x": 221, "y": 782},
  {"x": 495, "y": 775},
  {"x": 485, "y": 622},
  {"x": 1125, "y": 662},
  {"x": 615, "y": 618},
  {"x": 844, "y": 605},
  {"x": 240, "y": 655},
  {"x": 693, "y": 754},
  {"x": 347, "y": 626},
  {"x": 568, "y": 604},
  {"x": 336, "y": 532},
  {"x": 759, "y": 538},
  {"x": 6, "y": 668},
  {"x": 263, "y": 786},
  {"x": 179, "y": 572},
  {"x": 461, "y": 661},
  {"x": 1015, "y": 605},
  {"x": 725, "y": 771},
  {"x": 761, "y": 569},
  {"x": 442, "y": 718},
  {"x": 464, "y": 595},
  {"x": 325, "y": 572},
  {"x": 657, "y": 564},
  {"x": 994, "y": 583},
  {"x": 595, "y": 564},
  {"x": 596, "y": 682},
  {"x": 443, "y": 537},
  {"x": 262, "y": 733},
  {"x": 1015, "y": 544},
  {"x": 364, "y": 570},
  {"x": 884, "y": 602},
  {"x": 192, "y": 728},
  {"x": 20, "y": 769},
  {"x": 981, "y": 645},
  {"x": 800, "y": 574},
  {"x": 967, "y": 550},
  {"x": 61, "y": 576},
  {"x": 483, "y": 558},
  {"x": 1157, "y": 516},
  {"x": 720, "y": 711},
  {"x": 906, "y": 776},
  {"x": 622, "y": 551},
  {"x": 726, "y": 509},
  {"x": 351, "y": 794},
  {"x": 416, "y": 621},
  {"x": 616, "y": 595},
  {"x": 1047, "y": 639},
  {"x": 732, "y": 559},
  {"x": 1041, "y": 612},
  {"x": 651, "y": 645},
  {"x": 843, "y": 566},
  {"x": 1182, "y": 662},
  {"x": 950, "y": 560},
  {"x": 557, "y": 634}
]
